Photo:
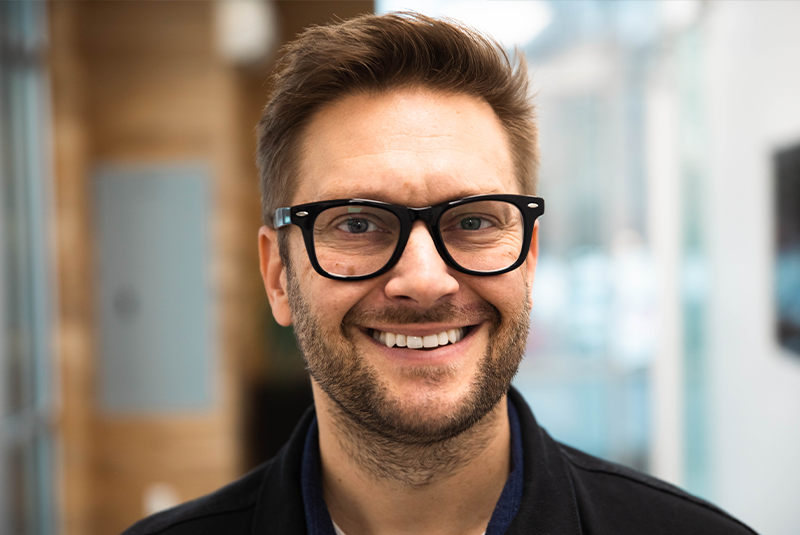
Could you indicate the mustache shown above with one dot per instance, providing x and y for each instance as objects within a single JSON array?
[{"x": 445, "y": 312}]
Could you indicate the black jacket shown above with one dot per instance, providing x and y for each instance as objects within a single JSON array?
[{"x": 566, "y": 492}]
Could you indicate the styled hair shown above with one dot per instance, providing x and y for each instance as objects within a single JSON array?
[{"x": 373, "y": 54}]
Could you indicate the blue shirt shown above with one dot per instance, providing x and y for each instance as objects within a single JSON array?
[{"x": 319, "y": 522}]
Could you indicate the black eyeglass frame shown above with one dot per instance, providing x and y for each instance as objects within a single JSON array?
[{"x": 304, "y": 216}]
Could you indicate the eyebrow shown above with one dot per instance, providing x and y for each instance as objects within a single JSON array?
[{"x": 376, "y": 195}]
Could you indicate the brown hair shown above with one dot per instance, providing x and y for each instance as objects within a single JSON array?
[{"x": 373, "y": 53}]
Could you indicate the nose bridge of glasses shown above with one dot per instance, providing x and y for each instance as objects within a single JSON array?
[
  {"x": 426, "y": 215},
  {"x": 421, "y": 214}
]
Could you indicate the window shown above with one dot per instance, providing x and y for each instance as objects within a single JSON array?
[{"x": 25, "y": 359}]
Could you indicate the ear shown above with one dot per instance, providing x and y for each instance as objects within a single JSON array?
[
  {"x": 530, "y": 261},
  {"x": 273, "y": 273}
]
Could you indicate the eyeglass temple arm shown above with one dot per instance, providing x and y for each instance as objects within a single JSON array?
[{"x": 282, "y": 217}]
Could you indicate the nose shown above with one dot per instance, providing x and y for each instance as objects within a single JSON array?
[{"x": 420, "y": 277}]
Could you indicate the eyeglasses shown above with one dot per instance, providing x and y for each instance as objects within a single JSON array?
[{"x": 356, "y": 239}]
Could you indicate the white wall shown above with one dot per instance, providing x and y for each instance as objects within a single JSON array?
[{"x": 753, "y": 94}]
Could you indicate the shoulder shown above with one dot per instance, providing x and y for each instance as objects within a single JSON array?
[
  {"x": 585, "y": 494},
  {"x": 228, "y": 510},
  {"x": 623, "y": 500}
]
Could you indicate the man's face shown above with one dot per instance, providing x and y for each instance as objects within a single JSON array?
[{"x": 415, "y": 148}]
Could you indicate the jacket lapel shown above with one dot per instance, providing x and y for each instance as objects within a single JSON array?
[
  {"x": 279, "y": 509},
  {"x": 548, "y": 498}
]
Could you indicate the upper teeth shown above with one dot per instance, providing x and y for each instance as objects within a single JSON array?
[{"x": 415, "y": 342}]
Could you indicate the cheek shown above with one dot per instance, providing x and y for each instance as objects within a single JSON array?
[
  {"x": 509, "y": 293},
  {"x": 330, "y": 300}
]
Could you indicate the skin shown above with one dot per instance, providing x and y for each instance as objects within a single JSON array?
[{"x": 411, "y": 147}]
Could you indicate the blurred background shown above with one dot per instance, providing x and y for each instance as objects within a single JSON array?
[{"x": 139, "y": 362}]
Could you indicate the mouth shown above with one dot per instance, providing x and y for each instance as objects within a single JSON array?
[{"x": 431, "y": 341}]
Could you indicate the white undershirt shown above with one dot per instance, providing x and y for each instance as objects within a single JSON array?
[{"x": 339, "y": 531}]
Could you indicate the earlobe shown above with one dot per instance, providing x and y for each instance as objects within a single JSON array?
[{"x": 273, "y": 273}]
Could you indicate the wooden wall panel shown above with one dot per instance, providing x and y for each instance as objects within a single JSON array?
[
  {"x": 74, "y": 339},
  {"x": 153, "y": 108},
  {"x": 151, "y": 91},
  {"x": 140, "y": 82},
  {"x": 159, "y": 93}
]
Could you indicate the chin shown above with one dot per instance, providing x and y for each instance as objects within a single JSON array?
[{"x": 428, "y": 412}]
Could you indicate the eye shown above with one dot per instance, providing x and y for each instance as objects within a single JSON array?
[
  {"x": 473, "y": 223},
  {"x": 357, "y": 226}
]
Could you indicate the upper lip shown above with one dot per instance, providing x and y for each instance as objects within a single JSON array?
[{"x": 416, "y": 329}]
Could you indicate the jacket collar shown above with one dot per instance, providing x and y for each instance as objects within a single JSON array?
[
  {"x": 548, "y": 498},
  {"x": 279, "y": 508}
]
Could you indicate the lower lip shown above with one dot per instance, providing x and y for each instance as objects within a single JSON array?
[{"x": 442, "y": 355}]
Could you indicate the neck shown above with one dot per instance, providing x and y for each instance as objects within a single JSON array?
[{"x": 373, "y": 484}]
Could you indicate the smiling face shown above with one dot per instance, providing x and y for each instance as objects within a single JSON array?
[{"x": 422, "y": 352}]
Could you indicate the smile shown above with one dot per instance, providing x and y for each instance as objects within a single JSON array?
[{"x": 431, "y": 341}]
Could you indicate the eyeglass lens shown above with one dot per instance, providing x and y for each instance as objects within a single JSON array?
[{"x": 353, "y": 241}]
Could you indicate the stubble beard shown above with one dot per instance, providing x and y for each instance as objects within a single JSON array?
[{"x": 380, "y": 434}]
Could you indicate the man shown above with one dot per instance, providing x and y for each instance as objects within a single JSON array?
[{"x": 398, "y": 157}]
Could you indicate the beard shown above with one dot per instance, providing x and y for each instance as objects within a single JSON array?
[{"x": 343, "y": 372}]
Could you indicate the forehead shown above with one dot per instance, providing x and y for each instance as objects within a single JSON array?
[{"x": 413, "y": 147}]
